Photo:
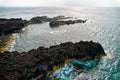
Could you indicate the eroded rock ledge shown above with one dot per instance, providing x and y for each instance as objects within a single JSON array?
[{"x": 42, "y": 62}]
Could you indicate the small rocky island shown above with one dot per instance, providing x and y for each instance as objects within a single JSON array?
[
  {"x": 68, "y": 22},
  {"x": 39, "y": 63}
]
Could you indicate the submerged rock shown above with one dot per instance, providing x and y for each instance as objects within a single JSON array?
[
  {"x": 68, "y": 22},
  {"x": 42, "y": 62}
]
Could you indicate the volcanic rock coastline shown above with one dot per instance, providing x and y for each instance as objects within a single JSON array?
[
  {"x": 42, "y": 62},
  {"x": 15, "y": 25},
  {"x": 8, "y": 26}
]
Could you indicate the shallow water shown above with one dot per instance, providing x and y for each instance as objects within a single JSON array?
[{"x": 102, "y": 26}]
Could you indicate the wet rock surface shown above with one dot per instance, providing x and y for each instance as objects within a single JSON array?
[{"x": 28, "y": 65}]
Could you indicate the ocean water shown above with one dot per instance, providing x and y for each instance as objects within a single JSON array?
[{"x": 103, "y": 26}]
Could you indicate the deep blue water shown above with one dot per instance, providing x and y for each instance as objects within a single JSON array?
[{"x": 103, "y": 26}]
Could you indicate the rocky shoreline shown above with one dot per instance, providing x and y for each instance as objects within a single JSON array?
[
  {"x": 15, "y": 25},
  {"x": 42, "y": 62},
  {"x": 5, "y": 42},
  {"x": 7, "y": 28}
]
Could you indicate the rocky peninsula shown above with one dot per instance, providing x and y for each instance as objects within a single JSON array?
[{"x": 42, "y": 62}]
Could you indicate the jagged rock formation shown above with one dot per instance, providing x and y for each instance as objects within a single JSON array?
[
  {"x": 42, "y": 62},
  {"x": 8, "y": 26},
  {"x": 68, "y": 22},
  {"x": 39, "y": 20},
  {"x": 42, "y": 19}
]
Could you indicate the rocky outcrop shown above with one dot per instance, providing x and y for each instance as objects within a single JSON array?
[
  {"x": 8, "y": 26},
  {"x": 39, "y": 20},
  {"x": 68, "y": 22},
  {"x": 60, "y": 18},
  {"x": 42, "y": 19},
  {"x": 42, "y": 62}
]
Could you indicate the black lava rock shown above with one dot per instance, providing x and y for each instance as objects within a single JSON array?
[
  {"x": 28, "y": 65},
  {"x": 57, "y": 23},
  {"x": 8, "y": 26},
  {"x": 39, "y": 20}
]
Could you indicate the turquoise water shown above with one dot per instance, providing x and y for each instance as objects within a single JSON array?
[
  {"x": 103, "y": 26},
  {"x": 72, "y": 69}
]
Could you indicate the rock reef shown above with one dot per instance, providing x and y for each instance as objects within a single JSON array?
[
  {"x": 55, "y": 21},
  {"x": 42, "y": 62},
  {"x": 42, "y": 19},
  {"x": 68, "y": 22},
  {"x": 39, "y": 20}
]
